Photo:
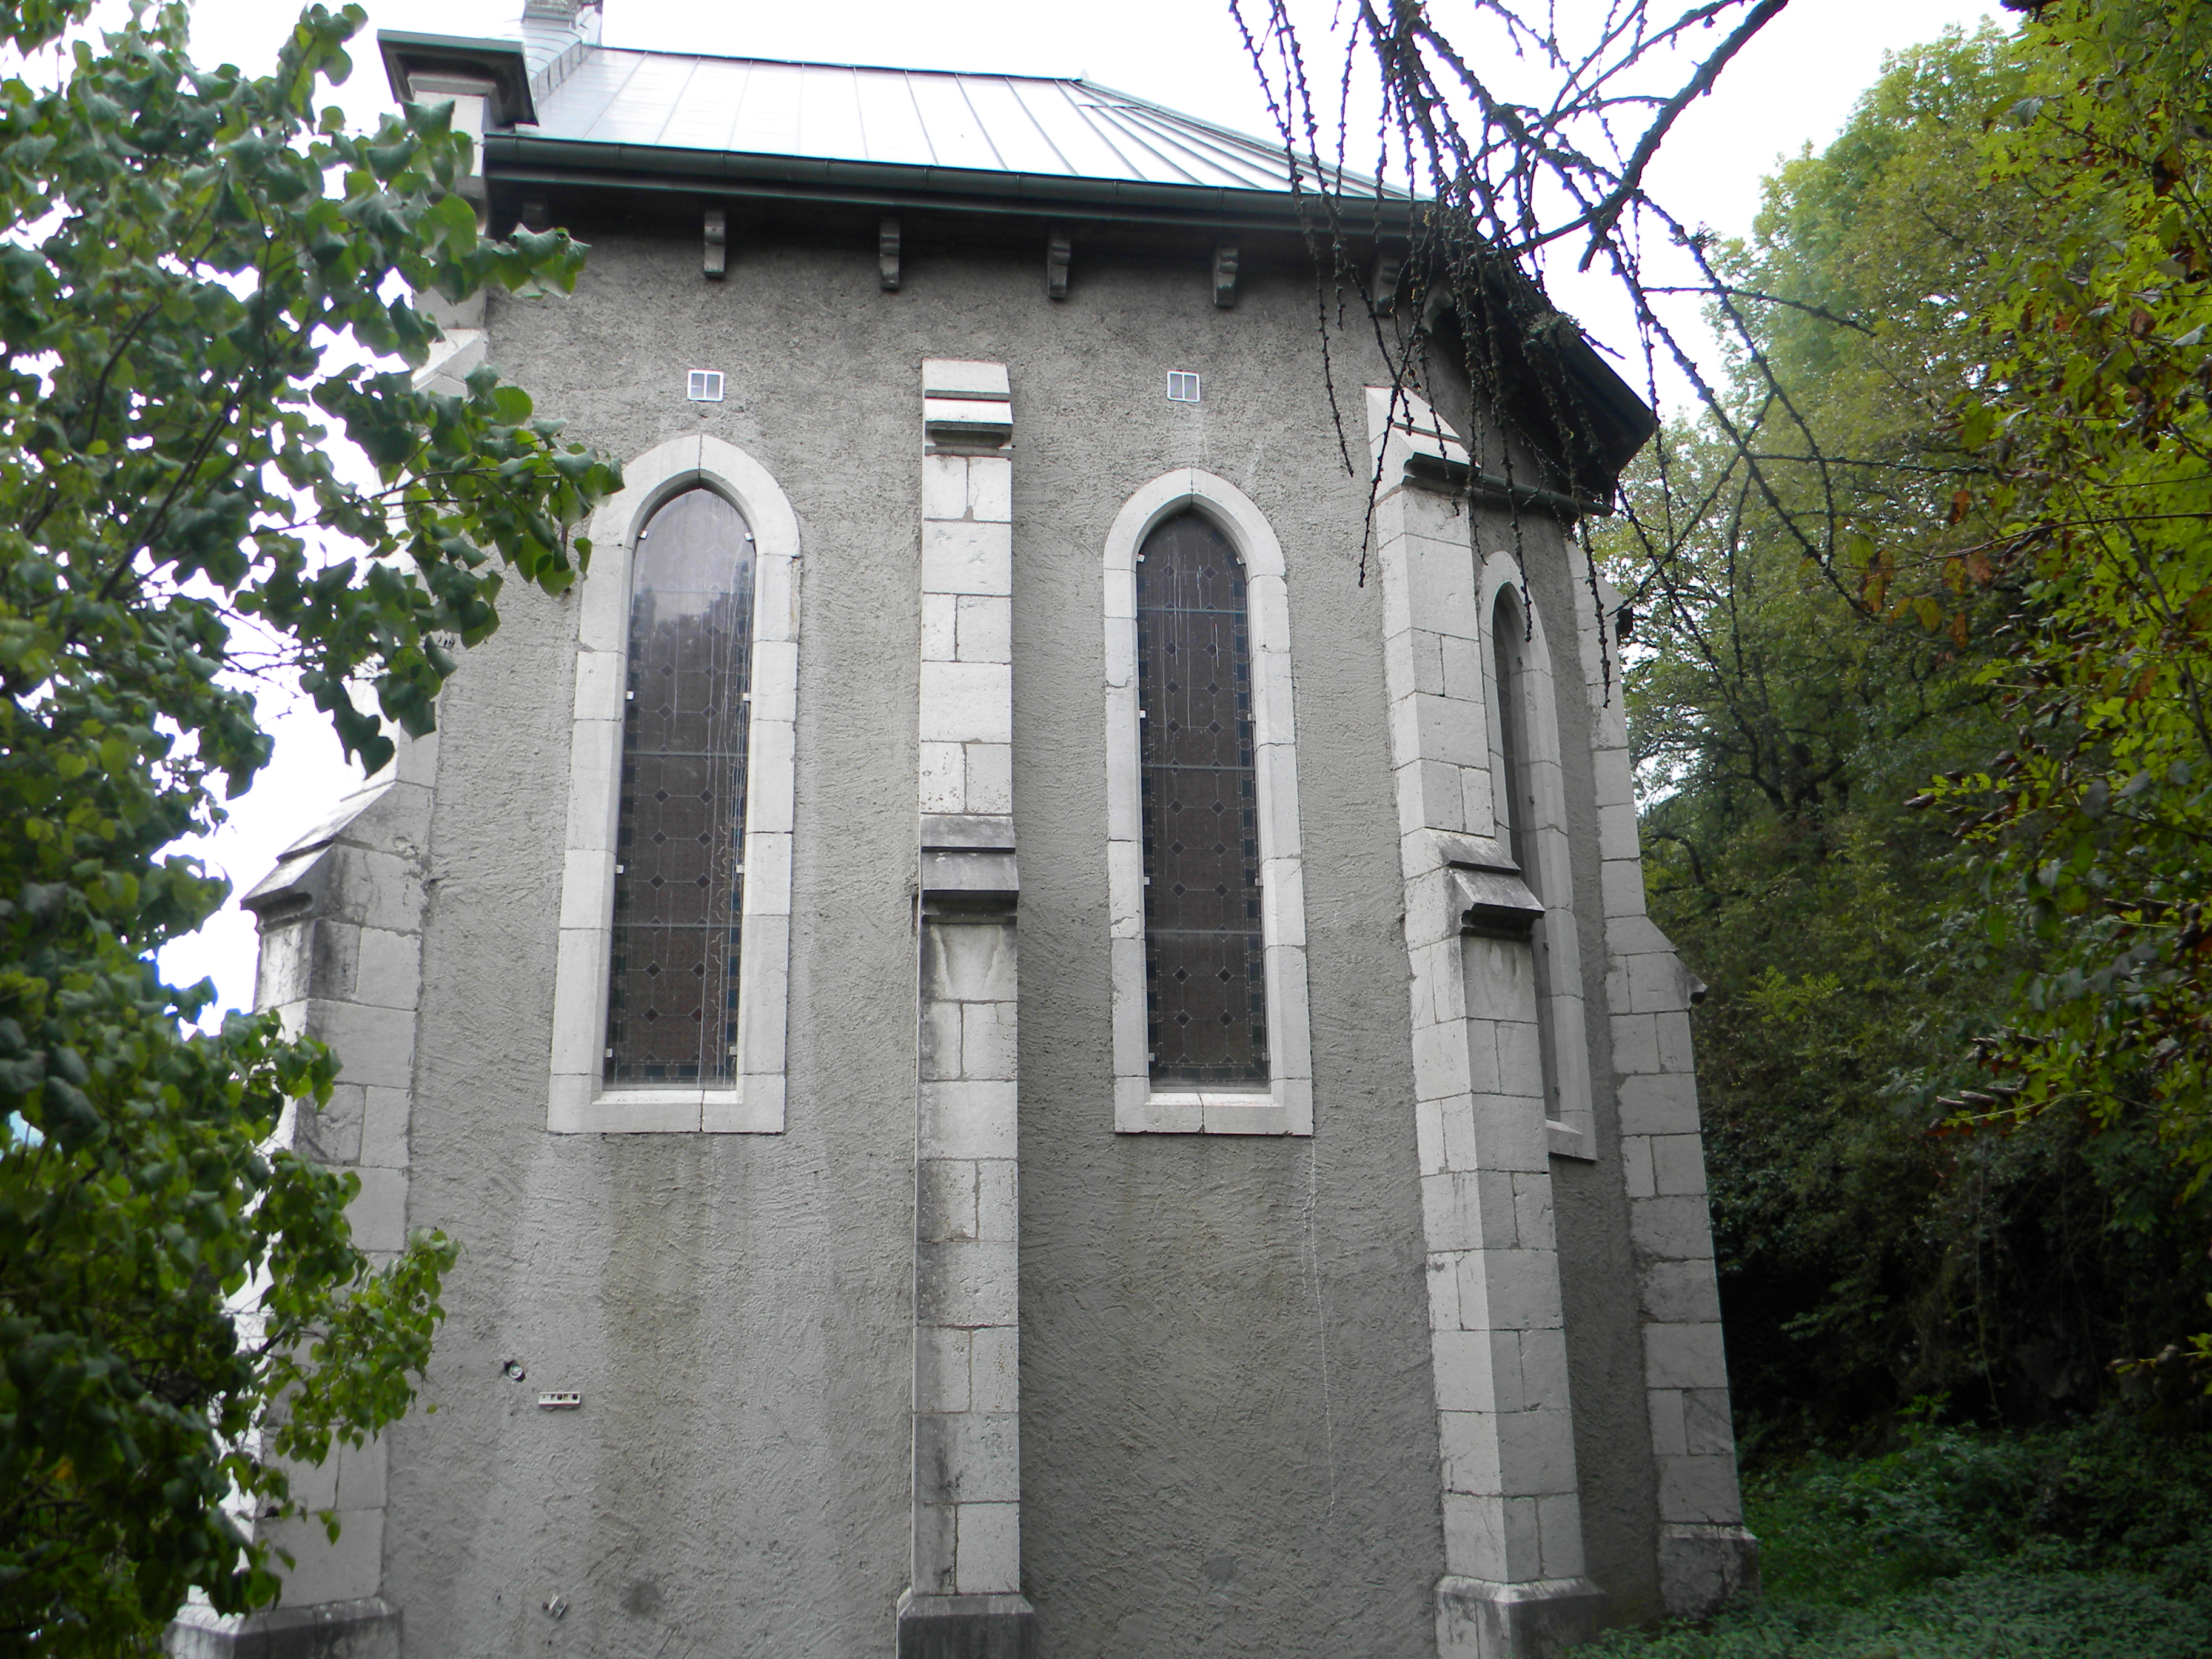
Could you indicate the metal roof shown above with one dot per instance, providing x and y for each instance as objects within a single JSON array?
[
  {"x": 690, "y": 113},
  {"x": 570, "y": 110},
  {"x": 1031, "y": 125}
]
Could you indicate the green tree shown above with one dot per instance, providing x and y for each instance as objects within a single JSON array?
[
  {"x": 1790, "y": 707},
  {"x": 1783, "y": 725},
  {"x": 2096, "y": 820},
  {"x": 1942, "y": 512},
  {"x": 184, "y": 243}
]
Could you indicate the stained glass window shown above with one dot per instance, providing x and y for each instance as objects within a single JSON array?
[
  {"x": 1515, "y": 796},
  {"x": 1205, "y": 984},
  {"x": 679, "y": 883},
  {"x": 1515, "y": 806}
]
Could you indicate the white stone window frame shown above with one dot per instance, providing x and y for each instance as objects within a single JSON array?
[
  {"x": 1572, "y": 1129},
  {"x": 581, "y": 1101},
  {"x": 1286, "y": 1106}
]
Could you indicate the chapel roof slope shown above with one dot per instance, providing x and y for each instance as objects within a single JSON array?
[
  {"x": 569, "y": 105},
  {"x": 1034, "y": 125}
]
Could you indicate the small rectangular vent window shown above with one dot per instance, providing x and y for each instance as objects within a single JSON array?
[
  {"x": 706, "y": 386},
  {"x": 1183, "y": 388}
]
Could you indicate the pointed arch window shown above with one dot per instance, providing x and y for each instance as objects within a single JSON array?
[
  {"x": 1205, "y": 880},
  {"x": 670, "y": 994},
  {"x": 1513, "y": 784},
  {"x": 1530, "y": 802},
  {"x": 1205, "y": 990},
  {"x": 680, "y": 880}
]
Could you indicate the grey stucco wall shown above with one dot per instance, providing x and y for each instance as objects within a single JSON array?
[{"x": 1229, "y": 1435}]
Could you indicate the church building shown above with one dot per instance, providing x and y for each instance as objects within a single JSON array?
[{"x": 1032, "y": 1006}]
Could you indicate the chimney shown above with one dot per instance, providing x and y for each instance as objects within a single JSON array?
[{"x": 581, "y": 15}]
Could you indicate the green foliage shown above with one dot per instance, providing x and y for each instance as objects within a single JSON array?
[
  {"x": 181, "y": 1301},
  {"x": 2094, "y": 1540},
  {"x": 1784, "y": 727},
  {"x": 2002, "y": 1613},
  {"x": 2095, "y": 821},
  {"x": 2113, "y": 1492},
  {"x": 1786, "y": 708}
]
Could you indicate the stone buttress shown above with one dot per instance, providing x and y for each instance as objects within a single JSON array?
[
  {"x": 341, "y": 920},
  {"x": 964, "y": 1599},
  {"x": 1515, "y": 1581}
]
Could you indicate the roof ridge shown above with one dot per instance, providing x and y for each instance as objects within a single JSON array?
[
  {"x": 1273, "y": 152},
  {"x": 826, "y": 63}
]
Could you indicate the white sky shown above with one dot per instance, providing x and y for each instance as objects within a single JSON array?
[{"x": 1794, "y": 83}]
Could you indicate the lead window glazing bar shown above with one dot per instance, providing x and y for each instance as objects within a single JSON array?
[
  {"x": 1204, "y": 977},
  {"x": 680, "y": 880}
]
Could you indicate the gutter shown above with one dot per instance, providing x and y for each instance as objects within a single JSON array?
[
  {"x": 530, "y": 158},
  {"x": 1461, "y": 475}
]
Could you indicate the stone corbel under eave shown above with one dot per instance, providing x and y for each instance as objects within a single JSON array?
[
  {"x": 887, "y": 256},
  {"x": 1225, "y": 275},
  {"x": 715, "y": 234},
  {"x": 1059, "y": 251}
]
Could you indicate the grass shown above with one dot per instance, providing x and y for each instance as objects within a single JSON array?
[{"x": 2091, "y": 1542}]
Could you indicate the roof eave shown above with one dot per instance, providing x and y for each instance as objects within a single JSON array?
[
  {"x": 536, "y": 158},
  {"x": 1626, "y": 419},
  {"x": 532, "y": 158}
]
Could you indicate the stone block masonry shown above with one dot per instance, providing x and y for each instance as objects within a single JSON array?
[
  {"x": 1514, "y": 1580},
  {"x": 341, "y": 920},
  {"x": 1706, "y": 1558},
  {"x": 964, "y": 1597}
]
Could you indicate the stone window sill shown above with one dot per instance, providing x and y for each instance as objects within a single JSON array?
[
  {"x": 1286, "y": 1108},
  {"x": 583, "y": 1106}
]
